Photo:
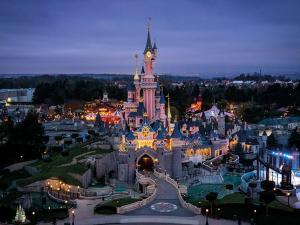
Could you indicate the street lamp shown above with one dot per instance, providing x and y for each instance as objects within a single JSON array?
[
  {"x": 288, "y": 195},
  {"x": 73, "y": 217},
  {"x": 255, "y": 219},
  {"x": 206, "y": 217}
]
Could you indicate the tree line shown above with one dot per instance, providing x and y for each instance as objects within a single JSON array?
[{"x": 21, "y": 141}]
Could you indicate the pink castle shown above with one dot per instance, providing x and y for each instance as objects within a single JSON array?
[{"x": 145, "y": 100}]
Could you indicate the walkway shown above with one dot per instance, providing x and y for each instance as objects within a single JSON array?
[
  {"x": 20, "y": 165},
  {"x": 74, "y": 160},
  {"x": 165, "y": 193},
  {"x": 84, "y": 213}
]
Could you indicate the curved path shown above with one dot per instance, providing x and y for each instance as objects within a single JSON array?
[
  {"x": 166, "y": 193},
  {"x": 84, "y": 214}
]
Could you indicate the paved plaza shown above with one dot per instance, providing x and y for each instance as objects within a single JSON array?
[{"x": 145, "y": 215}]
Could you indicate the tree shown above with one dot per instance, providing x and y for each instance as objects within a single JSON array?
[
  {"x": 211, "y": 197},
  {"x": 271, "y": 141},
  {"x": 24, "y": 140},
  {"x": 252, "y": 185},
  {"x": 294, "y": 139},
  {"x": 195, "y": 91},
  {"x": 267, "y": 197},
  {"x": 267, "y": 185},
  {"x": 239, "y": 149},
  {"x": 28, "y": 137}
]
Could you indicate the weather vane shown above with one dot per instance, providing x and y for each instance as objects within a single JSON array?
[{"x": 149, "y": 23}]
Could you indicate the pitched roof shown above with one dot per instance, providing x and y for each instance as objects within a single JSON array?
[
  {"x": 252, "y": 141},
  {"x": 148, "y": 44},
  {"x": 162, "y": 98},
  {"x": 160, "y": 135},
  {"x": 140, "y": 109},
  {"x": 154, "y": 46},
  {"x": 176, "y": 132},
  {"x": 132, "y": 114},
  {"x": 130, "y": 136},
  {"x": 130, "y": 87}
]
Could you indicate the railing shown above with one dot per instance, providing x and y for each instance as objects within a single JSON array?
[
  {"x": 211, "y": 167},
  {"x": 179, "y": 189},
  {"x": 56, "y": 199},
  {"x": 130, "y": 207}
]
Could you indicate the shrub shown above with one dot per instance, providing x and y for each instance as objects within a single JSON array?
[
  {"x": 65, "y": 153},
  {"x": 74, "y": 135},
  {"x": 267, "y": 185}
]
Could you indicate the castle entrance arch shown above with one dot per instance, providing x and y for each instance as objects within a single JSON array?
[{"x": 145, "y": 163}]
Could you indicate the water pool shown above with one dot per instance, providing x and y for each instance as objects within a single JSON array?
[
  {"x": 200, "y": 191},
  {"x": 98, "y": 185},
  {"x": 120, "y": 188}
]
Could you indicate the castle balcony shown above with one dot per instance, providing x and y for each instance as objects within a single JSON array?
[
  {"x": 150, "y": 85},
  {"x": 130, "y": 145},
  {"x": 160, "y": 144}
]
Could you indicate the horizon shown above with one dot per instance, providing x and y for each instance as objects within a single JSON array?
[{"x": 205, "y": 39}]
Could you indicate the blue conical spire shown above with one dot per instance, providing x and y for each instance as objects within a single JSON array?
[
  {"x": 162, "y": 98},
  {"x": 176, "y": 132},
  {"x": 148, "y": 43}
]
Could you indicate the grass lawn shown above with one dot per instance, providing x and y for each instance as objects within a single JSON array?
[
  {"x": 234, "y": 204},
  {"x": 111, "y": 206},
  {"x": 8, "y": 178},
  {"x": 235, "y": 198},
  {"x": 52, "y": 169},
  {"x": 96, "y": 151}
]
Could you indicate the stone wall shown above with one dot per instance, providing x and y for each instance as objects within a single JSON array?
[
  {"x": 86, "y": 178},
  {"x": 106, "y": 164}
]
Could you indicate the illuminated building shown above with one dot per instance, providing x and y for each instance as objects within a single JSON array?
[{"x": 151, "y": 141}]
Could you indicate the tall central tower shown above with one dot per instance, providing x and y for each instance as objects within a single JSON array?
[{"x": 148, "y": 83}]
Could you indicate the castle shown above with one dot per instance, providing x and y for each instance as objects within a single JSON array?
[
  {"x": 145, "y": 98},
  {"x": 151, "y": 140}
]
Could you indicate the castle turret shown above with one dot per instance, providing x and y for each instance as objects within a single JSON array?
[
  {"x": 162, "y": 110},
  {"x": 154, "y": 49},
  {"x": 137, "y": 80},
  {"x": 130, "y": 146},
  {"x": 130, "y": 93},
  {"x": 176, "y": 149},
  {"x": 148, "y": 83},
  {"x": 221, "y": 123},
  {"x": 169, "y": 115}
]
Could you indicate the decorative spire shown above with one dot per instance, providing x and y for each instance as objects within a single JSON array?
[
  {"x": 169, "y": 115},
  {"x": 176, "y": 132},
  {"x": 162, "y": 98},
  {"x": 143, "y": 70},
  {"x": 148, "y": 43},
  {"x": 154, "y": 46},
  {"x": 136, "y": 74}
]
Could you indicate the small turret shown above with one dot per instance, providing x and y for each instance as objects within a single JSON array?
[
  {"x": 169, "y": 115},
  {"x": 136, "y": 73},
  {"x": 142, "y": 70},
  {"x": 148, "y": 43},
  {"x": 154, "y": 49}
]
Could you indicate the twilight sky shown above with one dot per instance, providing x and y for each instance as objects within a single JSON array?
[{"x": 206, "y": 37}]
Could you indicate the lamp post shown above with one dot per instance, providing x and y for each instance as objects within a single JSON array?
[
  {"x": 206, "y": 217},
  {"x": 255, "y": 219},
  {"x": 288, "y": 196},
  {"x": 73, "y": 217}
]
